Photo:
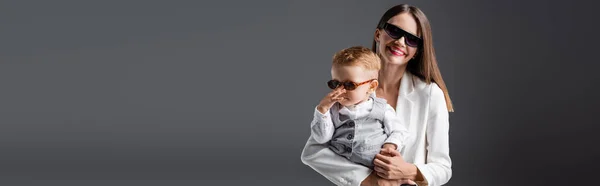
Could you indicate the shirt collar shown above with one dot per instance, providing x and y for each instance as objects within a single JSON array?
[{"x": 363, "y": 105}]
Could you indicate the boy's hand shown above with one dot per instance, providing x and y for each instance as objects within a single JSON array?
[
  {"x": 330, "y": 99},
  {"x": 390, "y": 146}
]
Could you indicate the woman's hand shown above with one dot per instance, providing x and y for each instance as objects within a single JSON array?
[
  {"x": 389, "y": 164},
  {"x": 374, "y": 180}
]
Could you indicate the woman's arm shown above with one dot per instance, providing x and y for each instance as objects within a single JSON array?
[
  {"x": 438, "y": 169},
  {"x": 374, "y": 180},
  {"x": 389, "y": 164},
  {"x": 335, "y": 168}
]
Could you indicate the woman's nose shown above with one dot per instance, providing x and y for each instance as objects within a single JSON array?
[{"x": 400, "y": 41}]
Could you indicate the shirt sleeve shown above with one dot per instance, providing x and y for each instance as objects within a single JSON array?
[
  {"x": 393, "y": 126},
  {"x": 438, "y": 169},
  {"x": 334, "y": 167},
  {"x": 321, "y": 127}
]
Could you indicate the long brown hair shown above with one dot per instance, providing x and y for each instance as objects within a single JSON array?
[{"x": 424, "y": 65}]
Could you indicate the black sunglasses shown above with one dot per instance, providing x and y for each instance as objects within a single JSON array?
[
  {"x": 396, "y": 33},
  {"x": 348, "y": 85}
]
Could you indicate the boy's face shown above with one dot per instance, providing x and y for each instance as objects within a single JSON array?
[{"x": 355, "y": 74}]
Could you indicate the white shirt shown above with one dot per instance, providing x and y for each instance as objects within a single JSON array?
[{"x": 422, "y": 108}]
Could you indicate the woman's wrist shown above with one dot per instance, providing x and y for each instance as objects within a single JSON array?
[
  {"x": 417, "y": 174},
  {"x": 369, "y": 180},
  {"x": 413, "y": 172}
]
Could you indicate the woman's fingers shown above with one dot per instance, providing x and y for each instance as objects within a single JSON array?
[
  {"x": 383, "y": 166},
  {"x": 379, "y": 169},
  {"x": 383, "y": 158},
  {"x": 382, "y": 174}
]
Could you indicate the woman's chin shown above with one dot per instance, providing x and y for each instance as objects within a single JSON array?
[{"x": 394, "y": 60}]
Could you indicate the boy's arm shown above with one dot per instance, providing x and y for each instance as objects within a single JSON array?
[
  {"x": 323, "y": 160},
  {"x": 321, "y": 127},
  {"x": 332, "y": 166},
  {"x": 395, "y": 128}
]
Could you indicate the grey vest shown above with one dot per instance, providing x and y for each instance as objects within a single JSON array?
[{"x": 361, "y": 139}]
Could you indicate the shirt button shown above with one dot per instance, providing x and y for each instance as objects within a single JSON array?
[
  {"x": 343, "y": 181},
  {"x": 350, "y": 136},
  {"x": 351, "y": 123}
]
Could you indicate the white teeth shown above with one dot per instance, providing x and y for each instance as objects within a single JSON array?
[{"x": 397, "y": 51}]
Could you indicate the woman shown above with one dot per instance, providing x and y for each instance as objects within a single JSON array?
[{"x": 411, "y": 82}]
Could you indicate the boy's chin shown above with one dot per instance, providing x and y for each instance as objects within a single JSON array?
[
  {"x": 347, "y": 102},
  {"x": 344, "y": 103}
]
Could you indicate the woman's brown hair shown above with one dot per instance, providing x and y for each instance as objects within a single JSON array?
[{"x": 424, "y": 65}]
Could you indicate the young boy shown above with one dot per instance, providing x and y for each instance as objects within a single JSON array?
[{"x": 351, "y": 120}]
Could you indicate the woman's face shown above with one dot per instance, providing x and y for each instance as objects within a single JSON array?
[{"x": 395, "y": 51}]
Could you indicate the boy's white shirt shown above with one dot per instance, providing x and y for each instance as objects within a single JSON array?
[
  {"x": 422, "y": 108},
  {"x": 322, "y": 126}
]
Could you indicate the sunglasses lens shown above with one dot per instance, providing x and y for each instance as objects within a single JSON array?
[
  {"x": 332, "y": 84},
  {"x": 349, "y": 86},
  {"x": 411, "y": 41},
  {"x": 393, "y": 31}
]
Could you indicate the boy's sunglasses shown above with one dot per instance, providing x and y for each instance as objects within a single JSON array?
[
  {"x": 396, "y": 33},
  {"x": 348, "y": 85}
]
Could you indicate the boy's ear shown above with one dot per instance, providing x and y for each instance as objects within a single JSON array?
[{"x": 373, "y": 86}]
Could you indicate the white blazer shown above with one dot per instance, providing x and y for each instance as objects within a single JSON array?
[{"x": 422, "y": 108}]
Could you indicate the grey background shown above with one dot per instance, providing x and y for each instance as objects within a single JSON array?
[{"x": 222, "y": 92}]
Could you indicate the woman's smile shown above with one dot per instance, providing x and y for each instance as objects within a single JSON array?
[{"x": 396, "y": 51}]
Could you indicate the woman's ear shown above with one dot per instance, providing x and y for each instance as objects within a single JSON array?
[{"x": 376, "y": 41}]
